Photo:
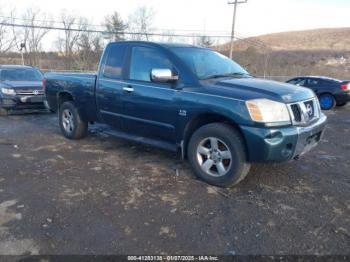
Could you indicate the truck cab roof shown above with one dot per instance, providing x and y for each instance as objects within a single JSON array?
[
  {"x": 167, "y": 45},
  {"x": 16, "y": 67}
]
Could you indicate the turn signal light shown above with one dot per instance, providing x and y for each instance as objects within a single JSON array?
[{"x": 255, "y": 112}]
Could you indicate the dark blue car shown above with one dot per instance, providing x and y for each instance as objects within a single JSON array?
[
  {"x": 331, "y": 92},
  {"x": 20, "y": 88}
]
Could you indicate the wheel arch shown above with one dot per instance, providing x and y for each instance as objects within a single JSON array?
[
  {"x": 325, "y": 93},
  {"x": 204, "y": 119},
  {"x": 64, "y": 96}
]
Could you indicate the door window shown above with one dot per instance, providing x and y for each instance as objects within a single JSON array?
[
  {"x": 143, "y": 60},
  {"x": 301, "y": 82},
  {"x": 294, "y": 81},
  {"x": 313, "y": 83},
  {"x": 114, "y": 62}
]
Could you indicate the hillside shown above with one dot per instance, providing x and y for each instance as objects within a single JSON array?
[
  {"x": 334, "y": 39},
  {"x": 312, "y": 52}
]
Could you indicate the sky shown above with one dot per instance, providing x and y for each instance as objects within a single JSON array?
[{"x": 256, "y": 17}]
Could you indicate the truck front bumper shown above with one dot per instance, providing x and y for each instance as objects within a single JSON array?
[{"x": 282, "y": 144}]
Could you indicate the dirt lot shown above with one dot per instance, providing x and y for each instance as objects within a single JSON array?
[{"x": 102, "y": 195}]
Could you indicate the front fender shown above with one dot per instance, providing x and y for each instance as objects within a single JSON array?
[{"x": 214, "y": 108}]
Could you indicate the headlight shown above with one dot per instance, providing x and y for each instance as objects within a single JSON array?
[
  {"x": 268, "y": 111},
  {"x": 8, "y": 91}
]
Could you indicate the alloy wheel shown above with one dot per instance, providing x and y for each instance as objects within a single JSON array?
[
  {"x": 214, "y": 157},
  {"x": 68, "y": 120}
]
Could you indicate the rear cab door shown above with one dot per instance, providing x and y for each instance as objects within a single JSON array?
[{"x": 109, "y": 85}]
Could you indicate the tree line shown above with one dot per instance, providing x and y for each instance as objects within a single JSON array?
[{"x": 75, "y": 44}]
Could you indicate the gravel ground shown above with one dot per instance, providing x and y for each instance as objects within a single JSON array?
[{"x": 103, "y": 195}]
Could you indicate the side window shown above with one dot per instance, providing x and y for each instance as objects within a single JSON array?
[
  {"x": 301, "y": 82},
  {"x": 143, "y": 60},
  {"x": 313, "y": 82},
  {"x": 294, "y": 81},
  {"x": 114, "y": 62}
]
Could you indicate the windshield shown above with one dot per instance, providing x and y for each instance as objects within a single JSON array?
[
  {"x": 20, "y": 74},
  {"x": 206, "y": 63}
]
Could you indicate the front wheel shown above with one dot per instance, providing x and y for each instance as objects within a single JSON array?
[
  {"x": 71, "y": 124},
  {"x": 327, "y": 102},
  {"x": 217, "y": 155}
]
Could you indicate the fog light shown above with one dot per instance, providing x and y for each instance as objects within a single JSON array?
[{"x": 287, "y": 151}]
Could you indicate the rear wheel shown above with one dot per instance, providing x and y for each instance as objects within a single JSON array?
[
  {"x": 327, "y": 101},
  {"x": 217, "y": 155},
  {"x": 71, "y": 124}
]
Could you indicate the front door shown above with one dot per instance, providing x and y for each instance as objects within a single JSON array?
[{"x": 149, "y": 108}]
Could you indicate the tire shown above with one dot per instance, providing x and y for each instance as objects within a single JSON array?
[
  {"x": 327, "y": 101},
  {"x": 341, "y": 104},
  {"x": 222, "y": 171},
  {"x": 3, "y": 112},
  {"x": 70, "y": 122}
]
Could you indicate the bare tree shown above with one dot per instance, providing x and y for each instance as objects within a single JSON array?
[
  {"x": 19, "y": 35},
  {"x": 169, "y": 36},
  {"x": 68, "y": 42},
  {"x": 115, "y": 27},
  {"x": 205, "y": 41},
  {"x": 89, "y": 49},
  {"x": 141, "y": 23},
  {"x": 32, "y": 36},
  {"x": 6, "y": 40}
]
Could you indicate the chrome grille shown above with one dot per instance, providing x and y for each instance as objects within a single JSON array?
[
  {"x": 296, "y": 112},
  {"x": 304, "y": 112},
  {"x": 29, "y": 92}
]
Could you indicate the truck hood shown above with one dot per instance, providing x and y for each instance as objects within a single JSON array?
[
  {"x": 252, "y": 88},
  {"x": 23, "y": 85}
]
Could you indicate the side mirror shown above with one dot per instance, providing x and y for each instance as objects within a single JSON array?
[{"x": 163, "y": 76}]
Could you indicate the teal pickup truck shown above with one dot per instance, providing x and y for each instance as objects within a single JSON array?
[{"x": 192, "y": 100}]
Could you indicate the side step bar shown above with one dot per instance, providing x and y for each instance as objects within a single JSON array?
[{"x": 143, "y": 140}]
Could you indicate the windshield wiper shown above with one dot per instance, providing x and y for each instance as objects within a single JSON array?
[{"x": 225, "y": 75}]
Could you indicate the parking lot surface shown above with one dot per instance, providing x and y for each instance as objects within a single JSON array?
[{"x": 103, "y": 195}]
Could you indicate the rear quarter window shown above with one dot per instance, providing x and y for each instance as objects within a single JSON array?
[{"x": 113, "y": 68}]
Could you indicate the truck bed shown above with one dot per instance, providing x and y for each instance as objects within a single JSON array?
[{"x": 81, "y": 86}]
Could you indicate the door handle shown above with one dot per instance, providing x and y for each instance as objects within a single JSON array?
[{"x": 128, "y": 89}]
